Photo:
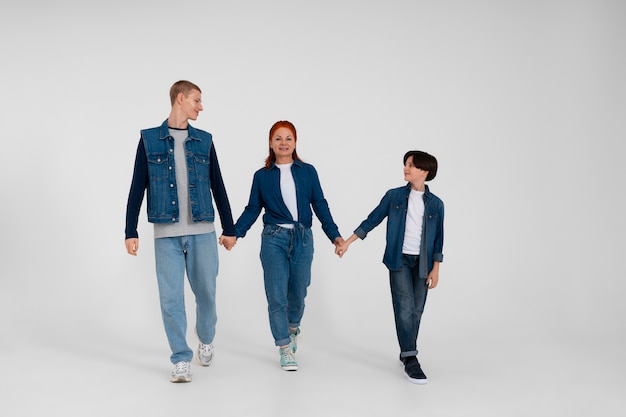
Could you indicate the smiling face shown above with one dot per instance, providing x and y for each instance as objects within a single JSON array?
[
  {"x": 414, "y": 175},
  {"x": 283, "y": 143},
  {"x": 191, "y": 104}
]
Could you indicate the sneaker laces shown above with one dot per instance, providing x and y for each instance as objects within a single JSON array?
[
  {"x": 206, "y": 348},
  {"x": 287, "y": 353},
  {"x": 182, "y": 368}
]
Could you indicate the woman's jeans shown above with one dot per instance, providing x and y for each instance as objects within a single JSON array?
[
  {"x": 408, "y": 293},
  {"x": 286, "y": 256},
  {"x": 196, "y": 254}
]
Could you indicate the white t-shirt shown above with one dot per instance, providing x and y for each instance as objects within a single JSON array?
[
  {"x": 288, "y": 191},
  {"x": 414, "y": 221}
]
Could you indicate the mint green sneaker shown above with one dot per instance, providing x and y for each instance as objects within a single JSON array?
[
  {"x": 293, "y": 337},
  {"x": 288, "y": 359}
]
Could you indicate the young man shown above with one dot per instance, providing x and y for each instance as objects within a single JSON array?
[
  {"x": 177, "y": 165},
  {"x": 413, "y": 251}
]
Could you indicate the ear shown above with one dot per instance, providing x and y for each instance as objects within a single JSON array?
[{"x": 180, "y": 98}]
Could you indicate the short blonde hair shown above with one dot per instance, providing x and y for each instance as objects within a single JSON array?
[{"x": 184, "y": 87}]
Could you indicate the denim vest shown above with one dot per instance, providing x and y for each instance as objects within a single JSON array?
[{"x": 162, "y": 188}]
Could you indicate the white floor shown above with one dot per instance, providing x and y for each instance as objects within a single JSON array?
[
  {"x": 60, "y": 357},
  {"x": 522, "y": 103}
]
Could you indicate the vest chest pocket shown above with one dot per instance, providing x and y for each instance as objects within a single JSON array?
[
  {"x": 201, "y": 163},
  {"x": 158, "y": 166}
]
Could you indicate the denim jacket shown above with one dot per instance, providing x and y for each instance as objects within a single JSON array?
[
  {"x": 394, "y": 206},
  {"x": 266, "y": 194},
  {"x": 155, "y": 171}
]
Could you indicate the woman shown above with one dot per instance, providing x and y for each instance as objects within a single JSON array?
[{"x": 287, "y": 189}]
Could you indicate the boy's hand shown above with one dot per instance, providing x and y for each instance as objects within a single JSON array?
[
  {"x": 433, "y": 279},
  {"x": 132, "y": 246}
]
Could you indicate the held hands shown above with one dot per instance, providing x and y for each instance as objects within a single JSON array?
[
  {"x": 228, "y": 241},
  {"x": 341, "y": 246}
]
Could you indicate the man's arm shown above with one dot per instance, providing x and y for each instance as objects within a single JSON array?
[
  {"x": 135, "y": 199},
  {"x": 219, "y": 194}
]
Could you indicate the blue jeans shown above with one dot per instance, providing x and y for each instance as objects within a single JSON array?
[
  {"x": 196, "y": 254},
  {"x": 408, "y": 294},
  {"x": 286, "y": 256}
]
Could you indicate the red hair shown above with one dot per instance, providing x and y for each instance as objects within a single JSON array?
[{"x": 272, "y": 156}]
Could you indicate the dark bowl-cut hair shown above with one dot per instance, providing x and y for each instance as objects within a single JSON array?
[{"x": 423, "y": 161}]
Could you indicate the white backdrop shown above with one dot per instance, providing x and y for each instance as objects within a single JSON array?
[{"x": 523, "y": 104}]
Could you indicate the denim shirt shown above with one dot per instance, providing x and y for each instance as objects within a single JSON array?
[
  {"x": 394, "y": 206},
  {"x": 155, "y": 171},
  {"x": 266, "y": 194}
]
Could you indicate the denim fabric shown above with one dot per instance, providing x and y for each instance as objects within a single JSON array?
[
  {"x": 286, "y": 256},
  {"x": 394, "y": 206},
  {"x": 197, "y": 255},
  {"x": 266, "y": 194},
  {"x": 408, "y": 294},
  {"x": 140, "y": 183},
  {"x": 162, "y": 187}
]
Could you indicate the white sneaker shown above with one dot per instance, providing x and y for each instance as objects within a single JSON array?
[
  {"x": 181, "y": 372},
  {"x": 205, "y": 353}
]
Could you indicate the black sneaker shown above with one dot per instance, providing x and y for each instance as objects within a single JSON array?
[{"x": 413, "y": 370}]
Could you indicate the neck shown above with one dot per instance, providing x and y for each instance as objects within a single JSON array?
[
  {"x": 418, "y": 186},
  {"x": 177, "y": 121},
  {"x": 283, "y": 160}
]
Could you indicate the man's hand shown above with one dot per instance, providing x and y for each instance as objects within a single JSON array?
[{"x": 132, "y": 246}]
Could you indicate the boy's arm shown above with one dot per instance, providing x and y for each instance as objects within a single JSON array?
[
  {"x": 433, "y": 277},
  {"x": 375, "y": 217}
]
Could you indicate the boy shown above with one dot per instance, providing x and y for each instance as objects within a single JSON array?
[
  {"x": 413, "y": 250},
  {"x": 178, "y": 167}
]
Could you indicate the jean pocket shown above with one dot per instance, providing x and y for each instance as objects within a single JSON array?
[{"x": 270, "y": 230}]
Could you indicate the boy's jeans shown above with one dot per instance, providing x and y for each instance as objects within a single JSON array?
[
  {"x": 408, "y": 294},
  {"x": 196, "y": 254},
  {"x": 286, "y": 256}
]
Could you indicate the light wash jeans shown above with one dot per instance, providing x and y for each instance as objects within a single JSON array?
[
  {"x": 286, "y": 256},
  {"x": 197, "y": 255},
  {"x": 408, "y": 294}
]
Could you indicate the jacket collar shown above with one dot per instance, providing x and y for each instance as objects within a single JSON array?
[
  {"x": 164, "y": 132},
  {"x": 295, "y": 162},
  {"x": 408, "y": 189}
]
